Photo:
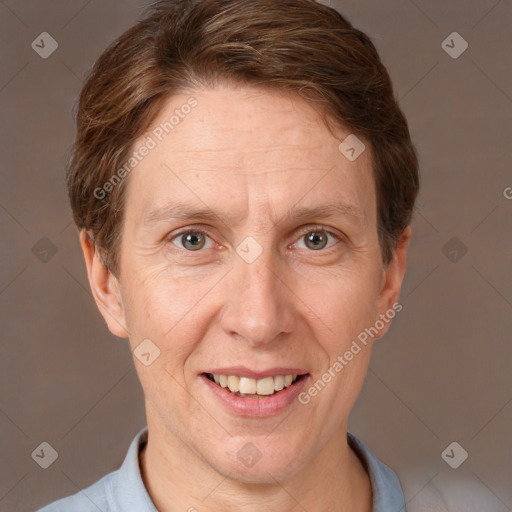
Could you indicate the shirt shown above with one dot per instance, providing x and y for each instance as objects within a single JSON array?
[{"x": 123, "y": 490}]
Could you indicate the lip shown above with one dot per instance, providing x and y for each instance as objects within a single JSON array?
[
  {"x": 256, "y": 407},
  {"x": 242, "y": 371}
]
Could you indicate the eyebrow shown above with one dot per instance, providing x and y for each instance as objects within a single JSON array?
[{"x": 184, "y": 211}]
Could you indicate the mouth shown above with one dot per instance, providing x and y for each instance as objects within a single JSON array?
[{"x": 247, "y": 387}]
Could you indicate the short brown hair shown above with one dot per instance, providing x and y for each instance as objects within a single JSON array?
[{"x": 298, "y": 46}]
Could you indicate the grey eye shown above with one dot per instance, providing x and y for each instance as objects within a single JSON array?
[
  {"x": 316, "y": 240},
  {"x": 191, "y": 240}
]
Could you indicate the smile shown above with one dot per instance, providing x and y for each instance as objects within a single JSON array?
[{"x": 247, "y": 387}]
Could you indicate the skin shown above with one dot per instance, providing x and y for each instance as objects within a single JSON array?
[{"x": 255, "y": 155}]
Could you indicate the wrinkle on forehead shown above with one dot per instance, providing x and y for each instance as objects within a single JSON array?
[{"x": 252, "y": 153}]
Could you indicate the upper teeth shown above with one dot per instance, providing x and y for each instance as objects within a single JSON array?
[{"x": 248, "y": 386}]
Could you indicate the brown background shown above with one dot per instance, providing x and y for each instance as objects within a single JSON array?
[{"x": 442, "y": 373}]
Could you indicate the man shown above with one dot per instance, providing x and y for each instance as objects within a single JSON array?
[{"x": 243, "y": 181}]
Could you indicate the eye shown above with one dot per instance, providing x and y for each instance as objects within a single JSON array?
[
  {"x": 317, "y": 239},
  {"x": 192, "y": 240}
]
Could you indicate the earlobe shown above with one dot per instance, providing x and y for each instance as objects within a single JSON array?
[
  {"x": 392, "y": 280},
  {"x": 104, "y": 287}
]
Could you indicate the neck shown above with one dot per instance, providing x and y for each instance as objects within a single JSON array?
[{"x": 177, "y": 480}]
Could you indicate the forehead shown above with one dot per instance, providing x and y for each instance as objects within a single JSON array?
[
  {"x": 235, "y": 120},
  {"x": 254, "y": 146}
]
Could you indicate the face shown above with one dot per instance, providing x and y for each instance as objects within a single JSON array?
[{"x": 250, "y": 257}]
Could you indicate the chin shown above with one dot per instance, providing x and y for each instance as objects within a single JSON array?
[{"x": 253, "y": 462}]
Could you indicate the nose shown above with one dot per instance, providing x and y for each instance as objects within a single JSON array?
[{"x": 259, "y": 306}]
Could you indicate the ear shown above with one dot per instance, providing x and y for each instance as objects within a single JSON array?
[
  {"x": 391, "y": 283},
  {"x": 104, "y": 287}
]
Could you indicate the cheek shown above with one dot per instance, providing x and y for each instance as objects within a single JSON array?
[
  {"x": 156, "y": 303},
  {"x": 166, "y": 311},
  {"x": 351, "y": 308},
  {"x": 346, "y": 303},
  {"x": 163, "y": 310}
]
